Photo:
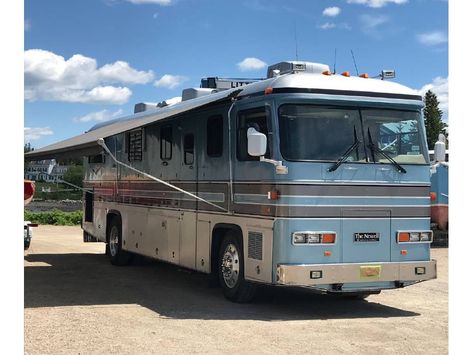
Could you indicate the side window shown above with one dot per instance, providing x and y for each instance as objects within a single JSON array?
[
  {"x": 188, "y": 149},
  {"x": 166, "y": 142},
  {"x": 257, "y": 118},
  {"x": 135, "y": 145},
  {"x": 215, "y": 136},
  {"x": 96, "y": 159}
]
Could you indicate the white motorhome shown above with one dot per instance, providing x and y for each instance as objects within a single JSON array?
[{"x": 304, "y": 178}]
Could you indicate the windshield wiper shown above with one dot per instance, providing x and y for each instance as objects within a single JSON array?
[
  {"x": 345, "y": 155},
  {"x": 374, "y": 149}
]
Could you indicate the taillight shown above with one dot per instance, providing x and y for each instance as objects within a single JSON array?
[{"x": 415, "y": 237}]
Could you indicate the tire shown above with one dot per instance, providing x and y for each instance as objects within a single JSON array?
[
  {"x": 27, "y": 244},
  {"x": 117, "y": 255},
  {"x": 231, "y": 270}
]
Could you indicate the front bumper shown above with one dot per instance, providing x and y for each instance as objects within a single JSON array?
[{"x": 326, "y": 274}]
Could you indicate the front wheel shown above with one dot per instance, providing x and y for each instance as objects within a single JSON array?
[
  {"x": 231, "y": 270},
  {"x": 117, "y": 255}
]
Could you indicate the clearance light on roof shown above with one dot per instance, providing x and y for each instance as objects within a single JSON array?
[
  {"x": 327, "y": 72},
  {"x": 415, "y": 237},
  {"x": 364, "y": 76},
  {"x": 313, "y": 238},
  {"x": 346, "y": 73}
]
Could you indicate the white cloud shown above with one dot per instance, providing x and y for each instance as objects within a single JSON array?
[
  {"x": 327, "y": 26},
  {"x": 99, "y": 116},
  {"x": 432, "y": 38},
  {"x": 331, "y": 11},
  {"x": 156, "y": 2},
  {"x": 169, "y": 81},
  {"x": 439, "y": 86},
  {"x": 371, "y": 22},
  {"x": 249, "y": 64},
  {"x": 377, "y": 3},
  {"x": 36, "y": 133},
  {"x": 51, "y": 77}
]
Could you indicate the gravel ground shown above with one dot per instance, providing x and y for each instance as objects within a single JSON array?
[{"x": 76, "y": 302}]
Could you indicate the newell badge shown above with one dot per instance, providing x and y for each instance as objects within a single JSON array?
[{"x": 366, "y": 237}]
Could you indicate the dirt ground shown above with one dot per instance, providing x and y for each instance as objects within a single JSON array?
[{"x": 76, "y": 302}]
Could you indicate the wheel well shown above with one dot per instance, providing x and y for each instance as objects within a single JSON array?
[
  {"x": 110, "y": 216},
  {"x": 218, "y": 233}
]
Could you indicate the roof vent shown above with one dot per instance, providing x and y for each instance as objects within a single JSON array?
[
  {"x": 144, "y": 106},
  {"x": 192, "y": 93},
  {"x": 296, "y": 67}
]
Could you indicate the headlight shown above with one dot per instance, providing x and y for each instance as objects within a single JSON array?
[
  {"x": 313, "y": 237},
  {"x": 413, "y": 237}
]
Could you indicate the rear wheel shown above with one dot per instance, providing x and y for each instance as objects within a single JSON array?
[
  {"x": 231, "y": 270},
  {"x": 117, "y": 255}
]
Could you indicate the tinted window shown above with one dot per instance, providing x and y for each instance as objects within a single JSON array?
[
  {"x": 215, "y": 136},
  {"x": 189, "y": 149},
  {"x": 166, "y": 142}
]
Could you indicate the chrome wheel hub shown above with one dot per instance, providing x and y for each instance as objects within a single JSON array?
[
  {"x": 230, "y": 266},
  {"x": 113, "y": 241}
]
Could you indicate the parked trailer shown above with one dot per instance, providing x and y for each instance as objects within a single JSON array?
[{"x": 302, "y": 179}]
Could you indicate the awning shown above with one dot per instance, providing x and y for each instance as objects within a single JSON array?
[{"x": 86, "y": 143}]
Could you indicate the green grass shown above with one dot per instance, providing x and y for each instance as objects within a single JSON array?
[{"x": 55, "y": 217}]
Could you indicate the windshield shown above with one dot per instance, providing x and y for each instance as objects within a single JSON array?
[{"x": 317, "y": 133}]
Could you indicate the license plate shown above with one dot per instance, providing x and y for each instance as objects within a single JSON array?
[
  {"x": 370, "y": 271},
  {"x": 366, "y": 237}
]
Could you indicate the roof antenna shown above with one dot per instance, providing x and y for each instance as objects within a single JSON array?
[
  {"x": 335, "y": 62},
  {"x": 354, "y": 62},
  {"x": 295, "y": 38}
]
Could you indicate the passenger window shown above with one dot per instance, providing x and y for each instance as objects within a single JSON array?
[
  {"x": 166, "y": 142},
  {"x": 188, "y": 149},
  {"x": 257, "y": 118},
  {"x": 215, "y": 136}
]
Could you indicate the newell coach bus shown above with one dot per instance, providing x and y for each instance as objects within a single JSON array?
[{"x": 305, "y": 178}]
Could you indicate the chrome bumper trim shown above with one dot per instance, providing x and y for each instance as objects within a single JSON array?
[{"x": 300, "y": 274}]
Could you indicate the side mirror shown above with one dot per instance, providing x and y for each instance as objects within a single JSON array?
[
  {"x": 257, "y": 142},
  {"x": 439, "y": 149}
]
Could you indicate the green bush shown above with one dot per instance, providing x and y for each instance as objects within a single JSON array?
[{"x": 55, "y": 217}]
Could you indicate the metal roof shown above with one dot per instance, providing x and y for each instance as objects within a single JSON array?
[{"x": 86, "y": 143}]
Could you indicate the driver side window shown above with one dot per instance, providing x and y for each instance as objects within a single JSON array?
[{"x": 259, "y": 119}]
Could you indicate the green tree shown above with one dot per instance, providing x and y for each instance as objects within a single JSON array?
[
  {"x": 75, "y": 175},
  {"x": 433, "y": 118}
]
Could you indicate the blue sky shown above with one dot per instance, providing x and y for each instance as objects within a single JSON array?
[{"x": 91, "y": 60}]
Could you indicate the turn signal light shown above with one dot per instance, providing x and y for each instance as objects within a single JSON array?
[
  {"x": 433, "y": 196},
  {"x": 328, "y": 238},
  {"x": 268, "y": 91},
  {"x": 403, "y": 237}
]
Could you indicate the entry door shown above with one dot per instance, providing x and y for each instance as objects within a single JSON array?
[
  {"x": 188, "y": 182},
  {"x": 366, "y": 236}
]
